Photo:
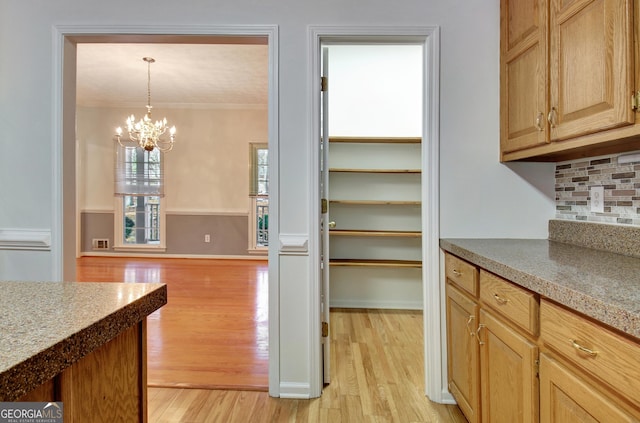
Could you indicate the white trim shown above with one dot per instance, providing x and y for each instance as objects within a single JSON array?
[
  {"x": 297, "y": 244},
  {"x": 240, "y": 213},
  {"x": 60, "y": 34},
  {"x": 294, "y": 390},
  {"x": 167, "y": 256},
  {"x": 25, "y": 239},
  {"x": 429, "y": 37}
]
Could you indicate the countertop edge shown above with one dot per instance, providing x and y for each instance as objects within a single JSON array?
[
  {"x": 32, "y": 372},
  {"x": 609, "y": 314}
]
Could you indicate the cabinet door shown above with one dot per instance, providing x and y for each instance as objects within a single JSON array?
[
  {"x": 591, "y": 66},
  {"x": 523, "y": 81},
  {"x": 509, "y": 388},
  {"x": 462, "y": 347},
  {"x": 566, "y": 398}
]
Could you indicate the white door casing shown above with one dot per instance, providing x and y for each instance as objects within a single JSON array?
[
  {"x": 428, "y": 37},
  {"x": 65, "y": 38}
]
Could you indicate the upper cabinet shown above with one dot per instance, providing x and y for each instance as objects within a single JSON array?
[{"x": 567, "y": 79}]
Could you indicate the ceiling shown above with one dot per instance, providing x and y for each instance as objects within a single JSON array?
[{"x": 183, "y": 75}]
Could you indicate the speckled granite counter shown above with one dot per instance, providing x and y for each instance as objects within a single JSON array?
[
  {"x": 599, "y": 284},
  {"x": 47, "y": 326}
]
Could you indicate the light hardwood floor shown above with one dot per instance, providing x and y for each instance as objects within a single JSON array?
[
  {"x": 376, "y": 362},
  {"x": 213, "y": 331}
]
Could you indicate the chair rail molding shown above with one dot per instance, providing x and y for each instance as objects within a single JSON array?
[{"x": 25, "y": 239}]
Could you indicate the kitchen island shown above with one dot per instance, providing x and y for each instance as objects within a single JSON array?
[{"x": 80, "y": 343}]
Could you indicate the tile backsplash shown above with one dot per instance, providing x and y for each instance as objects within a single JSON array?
[{"x": 621, "y": 184}]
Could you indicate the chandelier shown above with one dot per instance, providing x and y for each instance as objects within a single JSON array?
[{"x": 145, "y": 132}]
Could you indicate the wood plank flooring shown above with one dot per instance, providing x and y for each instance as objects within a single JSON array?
[
  {"x": 213, "y": 334},
  {"x": 377, "y": 376},
  {"x": 213, "y": 331}
]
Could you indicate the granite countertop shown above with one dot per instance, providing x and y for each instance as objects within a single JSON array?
[
  {"x": 600, "y": 284},
  {"x": 47, "y": 326}
]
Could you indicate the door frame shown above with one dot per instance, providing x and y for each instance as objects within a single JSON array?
[
  {"x": 65, "y": 219},
  {"x": 429, "y": 38}
]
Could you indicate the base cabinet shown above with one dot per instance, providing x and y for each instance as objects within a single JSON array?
[
  {"x": 566, "y": 398},
  {"x": 108, "y": 385},
  {"x": 515, "y": 357},
  {"x": 463, "y": 364},
  {"x": 508, "y": 373}
]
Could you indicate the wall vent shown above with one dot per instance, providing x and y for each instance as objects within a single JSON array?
[{"x": 100, "y": 244}]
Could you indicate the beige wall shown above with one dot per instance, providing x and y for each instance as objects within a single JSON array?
[{"x": 206, "y": 172}]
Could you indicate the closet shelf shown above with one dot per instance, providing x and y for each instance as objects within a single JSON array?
[
  {"x": 351, "y": 232},
  {"x": 357, "y": 170},
  {"x": 377, "y": 140},
  {"x": 376, "y": 202},
  {"x": 375, "y": 263}
]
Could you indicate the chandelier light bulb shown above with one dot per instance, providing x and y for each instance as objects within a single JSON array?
[{"x": 146, "y": 133}]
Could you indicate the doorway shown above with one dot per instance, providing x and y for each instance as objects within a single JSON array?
[
  {"x": 427, "y": 41},
  {"x": 66, "y": 217}
]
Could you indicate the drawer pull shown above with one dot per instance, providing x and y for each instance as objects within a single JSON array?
[
  {"x": 471, "y": 317},
  {"x": 480, "y": 326},
  {"x": 585, "y": 350},
  {"x": 499, "y": 299},
  {"x": 456, "y": 272}
]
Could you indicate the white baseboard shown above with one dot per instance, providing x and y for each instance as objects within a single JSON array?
[
  {"x": 294, "y": 390},
  {"x": 161, "y": 256},
  {"x": 385, "y": 304}
]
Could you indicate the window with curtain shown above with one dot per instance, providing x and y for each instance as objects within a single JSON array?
[
  {"x": 259, "y": 196},
  {"x": 139, "y": 188}
]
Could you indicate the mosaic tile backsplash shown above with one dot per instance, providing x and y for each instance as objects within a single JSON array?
[{"x": 621, "y": 184}]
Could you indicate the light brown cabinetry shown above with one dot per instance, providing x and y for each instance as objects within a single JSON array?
[
  {"x": 516, "y": 357},
  {"x": 508, "y": 352},
  {"x": 567, "y": 78},
  {"x": 567, "y": 397},
  {"x": 108, "y": 385},
  {"x": 491, "y": 362},
  {"x": 464, "y": 355},
  {"x": 606, "y": 364}
]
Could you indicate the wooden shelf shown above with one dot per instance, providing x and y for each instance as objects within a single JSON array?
[
  {"x": 354, "y": 170},
  {"x": 399, "y": 234},
  {"x": 375, "y": 263},
  {"x": 376, "y": 202},
  {"x": 377, "y": 140}
]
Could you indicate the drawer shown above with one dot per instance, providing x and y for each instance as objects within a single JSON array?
[
  {"x": 516, "y": 304},
  {"x": 461, "y": 273},
  {"x": 611, "y": 358}
]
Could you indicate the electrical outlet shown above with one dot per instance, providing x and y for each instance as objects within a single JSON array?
[
  {"x": 207, "y": 238},
  {"x": 597, "y": 199}
]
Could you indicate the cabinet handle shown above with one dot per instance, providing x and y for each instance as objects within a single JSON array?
[
  {"x": 480, "y": 326},
  {"x": 539, "y": 122},
  {"x": 457, "y": 273},
  {"x": 471, "y": 332},
  {"x": 553, "y": 117},
  {"x": 585, "y": 350},
  {"x": 499, "y": 299}
]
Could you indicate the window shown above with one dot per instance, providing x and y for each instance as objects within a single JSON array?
[
  {"x": 259, "y": 197},
  {"x": 139, "y": 190}
]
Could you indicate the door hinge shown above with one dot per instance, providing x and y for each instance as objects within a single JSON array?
[
  {"x": 536, "y": 364},
  {"x": 325, "y": 329},
  {"x": 324, "y": 83},
  {"x": 635, "y": 101},
  {"x": 324, "y": 207}
]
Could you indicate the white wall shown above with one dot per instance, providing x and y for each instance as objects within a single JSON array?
[
  {"x": 375, "y": 90},
  {"x": 479, "y": 196},
  {"x": 206, "y": 172}
]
